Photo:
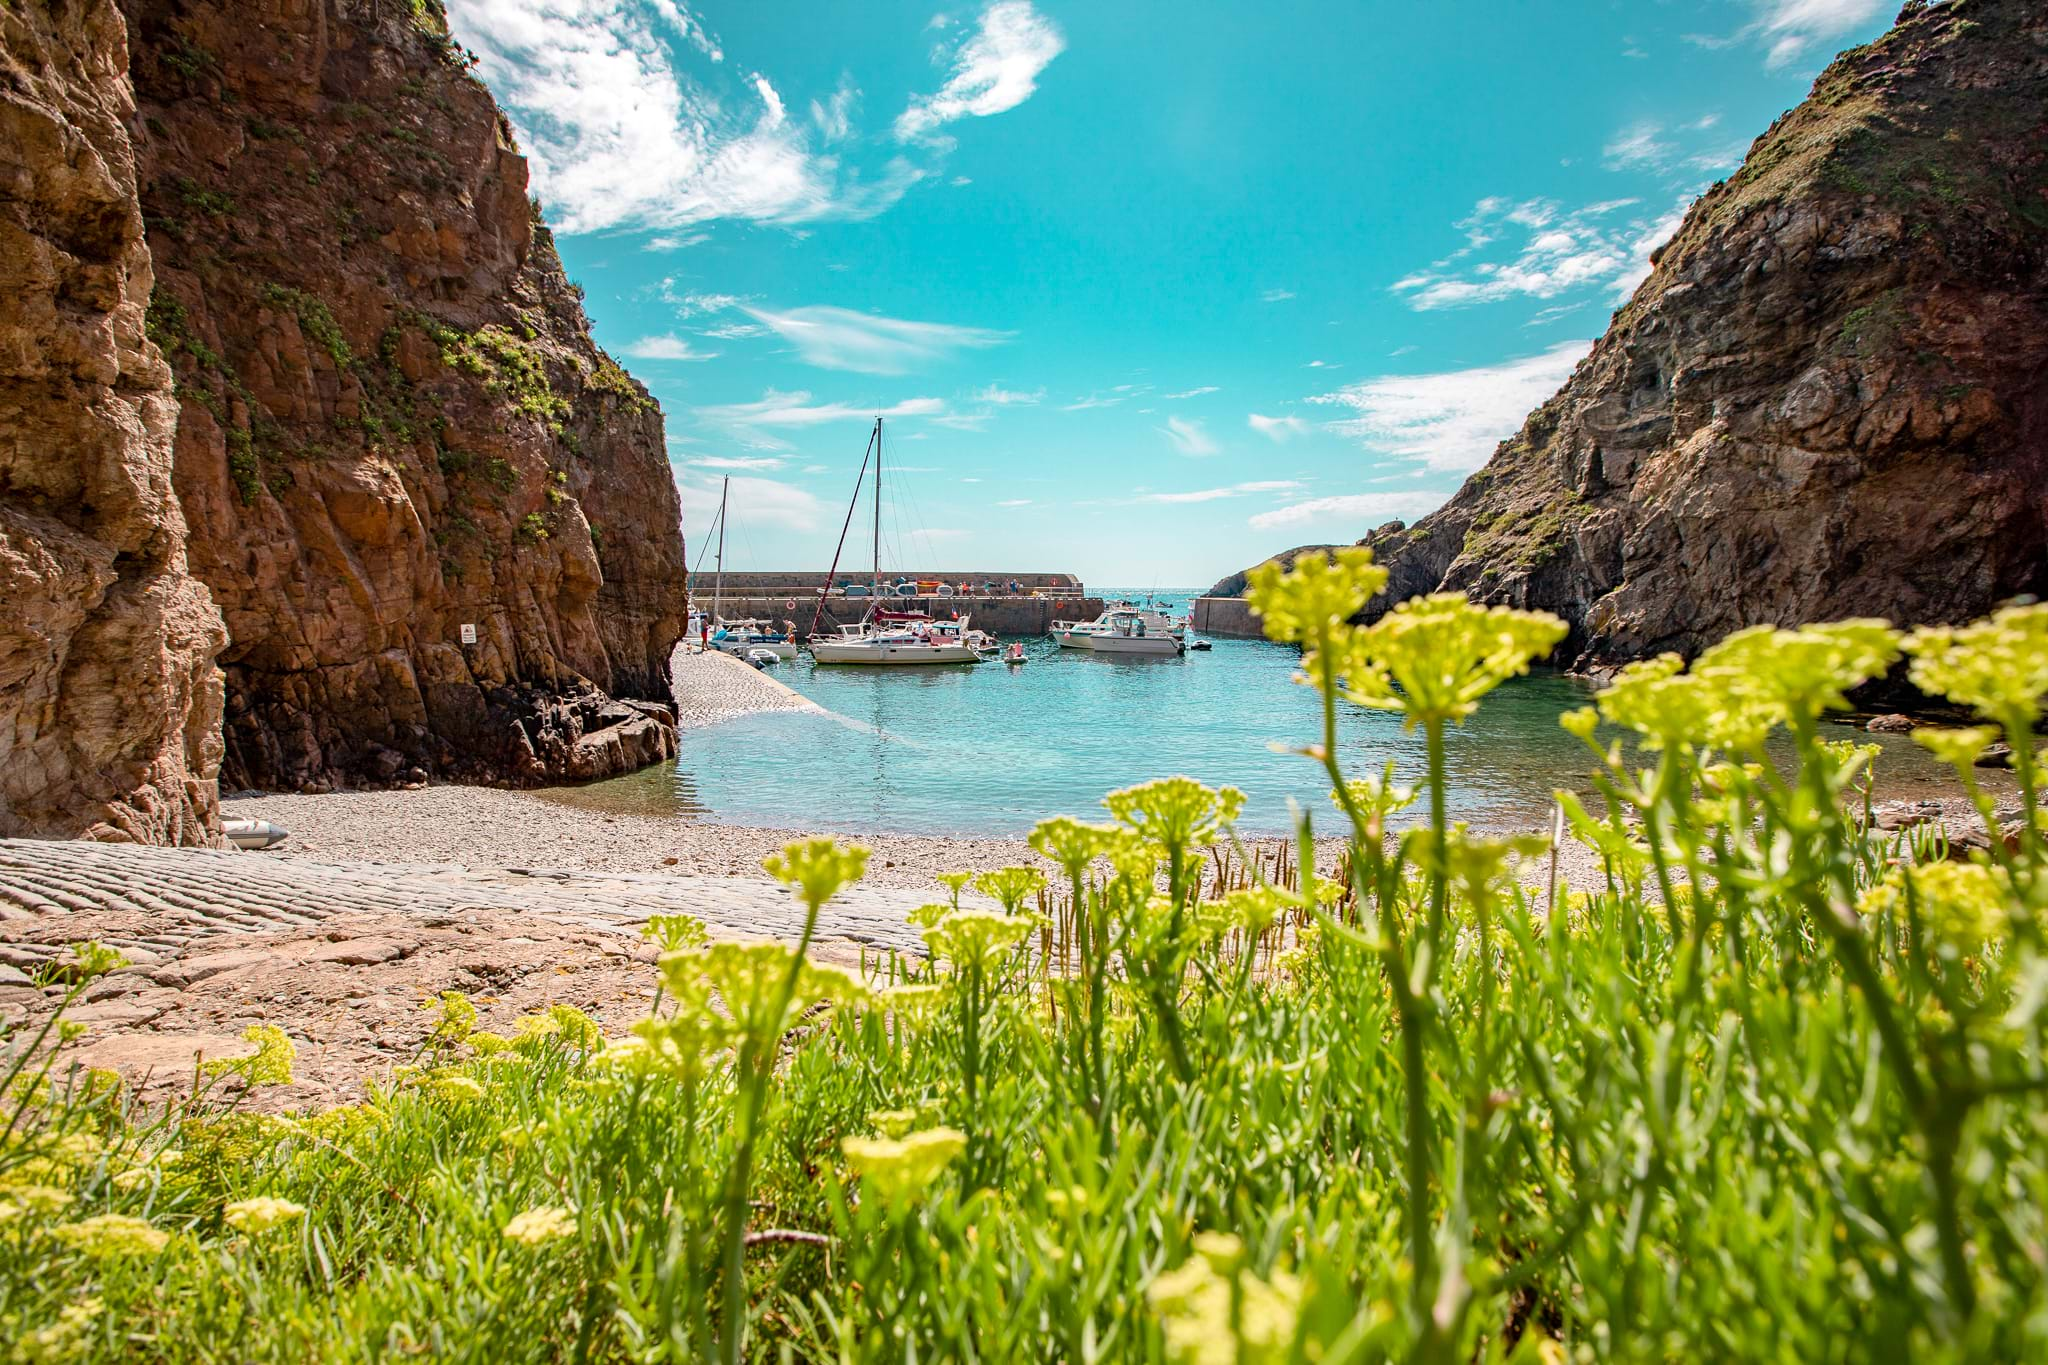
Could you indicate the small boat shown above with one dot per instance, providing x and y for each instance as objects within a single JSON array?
[
  {"x": 244, "y": 832},
  {"x": 1124, "y": 629},
  {"x": 745, "y": 636},
  {"x": 1203, "y": 645},
  {"x": 1016, "y": 654},
  {"x": 760, "y": 656}
]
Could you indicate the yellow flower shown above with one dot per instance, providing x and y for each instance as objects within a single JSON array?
[
  {"x": 1175, "y": 813},
  {"x": 1432, "y": 658},
  {"x": 1010, "y": 886},
  {"x": 1072, "y": 844},
  {"x": 954, "y": 882},
  {"x": 1376, "y": 797},
  {"x": 899, "y": 1169},
  {"x": 539, "y": 1225},
  {"x": 817, "y": 868},
  {"x": 1959, "y": 748},
  {"x": 976, "y": 938},
  {"x": 487, "y": 1044},
  {"x": 893, "y": 1123},
  {"x": 459, "y": 1089},
  {"x": 113, "y": 1234},
  {"x": 1215, "y": 1311},
  {"x": 1964, "y": 904},
  {"x": 60, "y": 1340},
  {"x": 578, "y": 1029},
  {"x": 750, "y": 978},
  {"x": 456, "y": 1019},
  {"x": 1296, "y": 605},
  {"x": 925, "y": 916},
  {"x": 1804, "y": 671},
  {"x": 43, "y": 1199},
  {"x": 670, "y": 932},
  {"x": 1998, "y": 666},
  {"x": 270, "y": 1064},
  {"x": 261, "y": 1213}
]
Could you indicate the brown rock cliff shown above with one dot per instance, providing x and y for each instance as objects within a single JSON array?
[
  {"x": 1829, "y": 399},
  {"x": 394, "y": 421},
  {"x": 110, "y": 705}
]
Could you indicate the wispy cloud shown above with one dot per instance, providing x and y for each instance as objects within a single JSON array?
[
  {"x": 1014, "y": 502},
  {"x": 1276, "y": 295},
  {"x": 1236, "y": 490},
  {"x": 994, "y": 70},
  {"x": 619, "y": 134},
  {"x": 1193, "y": 393},
  {"x": 776, "y": 410},
  {"x": 1561, "y": 252},
  {"x": 731, "y": 462},
  {"x": 1639, "y": 144},
  {"x": 1789, "y": 27},
  {"x": 1358, "y": 510},
  {"x": 841, "y": 339},
  {"x": 998, "y": 396},
  {"x": 1107, "y": 398},
  {"x": 1451, "y": 421},
  {"x": 752, "y": 502},
  {"x": 666, "y": 348},
  {"x": 1188, "y": 437},
  {"x": 1276, "y": 428}
]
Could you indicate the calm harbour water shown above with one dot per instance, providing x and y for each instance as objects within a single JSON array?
[{"x": 990, "y": 749}]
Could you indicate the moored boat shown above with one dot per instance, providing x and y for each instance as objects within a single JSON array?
[{"x": 1124, "y": 629}]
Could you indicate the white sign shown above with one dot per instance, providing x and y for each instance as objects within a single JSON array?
[{"x": 468, "y": 634}]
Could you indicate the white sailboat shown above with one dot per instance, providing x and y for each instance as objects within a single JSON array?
[
  {"x": 741, "y": 637},
  {"x": 896, "y": 638}
]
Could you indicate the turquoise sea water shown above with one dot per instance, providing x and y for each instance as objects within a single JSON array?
[{"x": 990, "y": 749}]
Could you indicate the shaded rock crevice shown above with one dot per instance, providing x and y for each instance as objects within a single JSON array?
[{"x": 110, "y": 705}]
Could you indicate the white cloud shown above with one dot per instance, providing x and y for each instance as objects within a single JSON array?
[
  {"x": 1193, "y": 393},
  {"x": 666, "y": 348},
  {"x": 1276, "y": 295},
  {"x": 1790, "y": 27},
  {"x": 1001, "y": 397},
  {"x": 1585, "y": 249},
  {"x": 1236, "y": 490},
  {"x": 776, "y": 410},
  {"x": 995, "y": 70},
  {"x": 735, "y": 331},
  {"x": 1188, "y": 437},
  {"x": 620, "y": 135},
  {"x": 746, "y": 462},
  {"x": 1639, "y": 144},
  {"x": 1107, "y": 398},
  {"x": 1014, "y": 502},
  {"x": 1451, "y": 421},
  {"x": 751, "y": 502},
  {"x": 1276, "y": 428},
  {"x": 834, "y": 117},
  {"x": 1354, "y": 508},
  {"x": 677, "y": 241},
  {"x": 841, "y": 339}
]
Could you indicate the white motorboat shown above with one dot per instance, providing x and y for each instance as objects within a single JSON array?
[
  {"x": 744, "y": 637},
  {"x": 893, "y": 638},
  {"x": 1124, "y": 630}
]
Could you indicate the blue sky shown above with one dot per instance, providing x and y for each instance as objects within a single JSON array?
[{"x": 1145, "y": 292}]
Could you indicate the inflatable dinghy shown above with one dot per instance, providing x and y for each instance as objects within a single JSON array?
[{"x": 252, "y": 834}]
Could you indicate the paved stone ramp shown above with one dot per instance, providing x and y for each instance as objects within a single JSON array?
[{"x": 176, "y": 896}]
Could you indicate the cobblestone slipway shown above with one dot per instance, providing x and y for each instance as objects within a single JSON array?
[{"x": 341, "y": 955}]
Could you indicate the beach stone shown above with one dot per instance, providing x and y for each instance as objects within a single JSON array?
[
  {"x": 1995, "y": 756},
  {"x": 1894, "y": 724},
  {"x": 11, "y": 975}
]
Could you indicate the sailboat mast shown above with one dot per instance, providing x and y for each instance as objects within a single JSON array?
[
  {"x": 876, "y": 586},
  {"x": 718, "y": 582}
]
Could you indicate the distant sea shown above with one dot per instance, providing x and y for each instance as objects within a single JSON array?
[{"x": 990, "y": 749}]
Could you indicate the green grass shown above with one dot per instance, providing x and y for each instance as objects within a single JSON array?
[{"x": 1769, "y": 1088}]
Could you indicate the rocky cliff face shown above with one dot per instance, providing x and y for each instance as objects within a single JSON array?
[
  {"x": 393, "y": 420},
  {"x": 1830, "y": 398},
  {"x": 109, "y": 703}
]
